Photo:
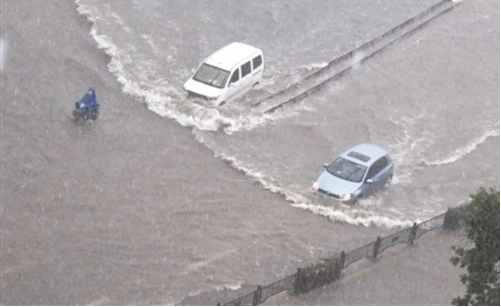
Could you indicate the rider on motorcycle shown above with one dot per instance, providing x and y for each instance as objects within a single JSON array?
[
  {"x": 89, "y": 100},
  {"x": 88, "y": 106}
]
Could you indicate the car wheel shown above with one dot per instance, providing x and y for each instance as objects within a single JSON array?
[
  {"x": 255, "y": 84},
  {"x": 388, "y": 181}
]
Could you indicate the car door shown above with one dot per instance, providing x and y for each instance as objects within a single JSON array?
[
  {"x": 382, "y": 174},
  {"x": 233, "y": 84},
  {"x": 245, "y": 78},
  {"x": 375, "y": 177}
]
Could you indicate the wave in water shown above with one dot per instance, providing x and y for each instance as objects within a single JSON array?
[{"x": 463, "y": 151}]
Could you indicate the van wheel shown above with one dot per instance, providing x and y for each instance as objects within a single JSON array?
[{"x": 221, "y": 103}]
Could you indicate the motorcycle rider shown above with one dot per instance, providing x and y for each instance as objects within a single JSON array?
[{"x": 88, "y": 100}]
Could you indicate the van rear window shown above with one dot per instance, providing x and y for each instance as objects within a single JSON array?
[
  {"x": 257, "y": 61},
  {"x": 246, "y": 69}
]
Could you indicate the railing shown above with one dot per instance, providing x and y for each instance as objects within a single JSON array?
[{"x": 329, "y": 270}]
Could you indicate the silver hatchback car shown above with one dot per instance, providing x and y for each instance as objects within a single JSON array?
[{"x": 357, "y": 173}]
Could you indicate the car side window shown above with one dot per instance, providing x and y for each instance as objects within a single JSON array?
[
  {"x": 371, "y": 172},
  {"x": 257, "y": 61},
  {"x": 246, "y": 69},
  {"x": 378, "y": 166},
  {"x": 235, "y": 76},
  {"x": 382, "y": 162}
]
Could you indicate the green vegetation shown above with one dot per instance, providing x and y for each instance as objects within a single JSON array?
[
  {"x": 480, "y": 220},
  {"x": 317, "y": 274}
]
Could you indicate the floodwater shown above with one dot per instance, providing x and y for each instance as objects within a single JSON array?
[{"x": 164, "y": 201}]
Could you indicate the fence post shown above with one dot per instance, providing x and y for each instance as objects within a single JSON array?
[
  {"x": 298, "y": 282},
  {"x": 331, "y": 268},
  {"x": 257, "y": 296},
  {"x": 377, "y": 244},
  {"x": 412, "y": 234},
  {"x": 447, "y": 219}
]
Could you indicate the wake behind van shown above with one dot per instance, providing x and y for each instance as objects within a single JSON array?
[{"x": 226, "y": 74}]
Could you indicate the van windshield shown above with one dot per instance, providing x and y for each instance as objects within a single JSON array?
[{"x": 211, "y": 75}]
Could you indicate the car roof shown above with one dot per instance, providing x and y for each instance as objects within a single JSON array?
[
  {"x": 230, "y": 55},
  {"x": 364, "y": 153}
]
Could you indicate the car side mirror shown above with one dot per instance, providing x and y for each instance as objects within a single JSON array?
[
  {"x": 232, "y": 84},
  {"x": 369, "y": 180},
  {"x": 326, "y": 165}
]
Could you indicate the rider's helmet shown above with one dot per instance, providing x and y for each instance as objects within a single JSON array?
[{"x": 91, "y": 97}]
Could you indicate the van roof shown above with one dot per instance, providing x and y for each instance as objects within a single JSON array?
[{"x": 227, "y": 57}]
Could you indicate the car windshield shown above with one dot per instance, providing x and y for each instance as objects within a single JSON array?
[
  {"x": 347, "y": 170},
  {"x": 211, "y": 75}
]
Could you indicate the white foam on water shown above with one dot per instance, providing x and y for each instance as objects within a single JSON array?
[
  {"x": 194, "y": 293},
  {"x": 356, "y": 59},
  {"x": 463, "y": 151},
  {"x": 119, "y": 21},
  {"x": 366, "y": 219},
  {"x": 313, "y": 66},
  {"x": 4, "y": 44},
  {"x": 405, "y": 147},
  {"x": 229, "y": 286}
]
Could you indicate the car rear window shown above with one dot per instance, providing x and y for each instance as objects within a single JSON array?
[{"x": 358, "y": 156}]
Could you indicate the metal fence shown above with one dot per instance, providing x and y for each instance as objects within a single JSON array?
[
  {"x": 359, "y": 253},
  {"x": 300, "y": 282},
  {"x": 263, "y": 293}
]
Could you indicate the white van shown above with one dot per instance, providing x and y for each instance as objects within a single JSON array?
[{"x": 229, "y": 72}]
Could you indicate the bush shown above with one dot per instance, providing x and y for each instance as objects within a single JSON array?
[
  {"x": 480, "y": 218},
  {"x": 315, "y": 275}
]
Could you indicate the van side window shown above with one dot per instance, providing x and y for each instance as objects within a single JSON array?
[
  {"x": 246, "y": 69},
  {"x": 257, "y": 61},
  {"x": 234, "y": 77}
]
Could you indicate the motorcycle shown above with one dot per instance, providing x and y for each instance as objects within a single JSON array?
[{"x": 85, "y": 112}]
